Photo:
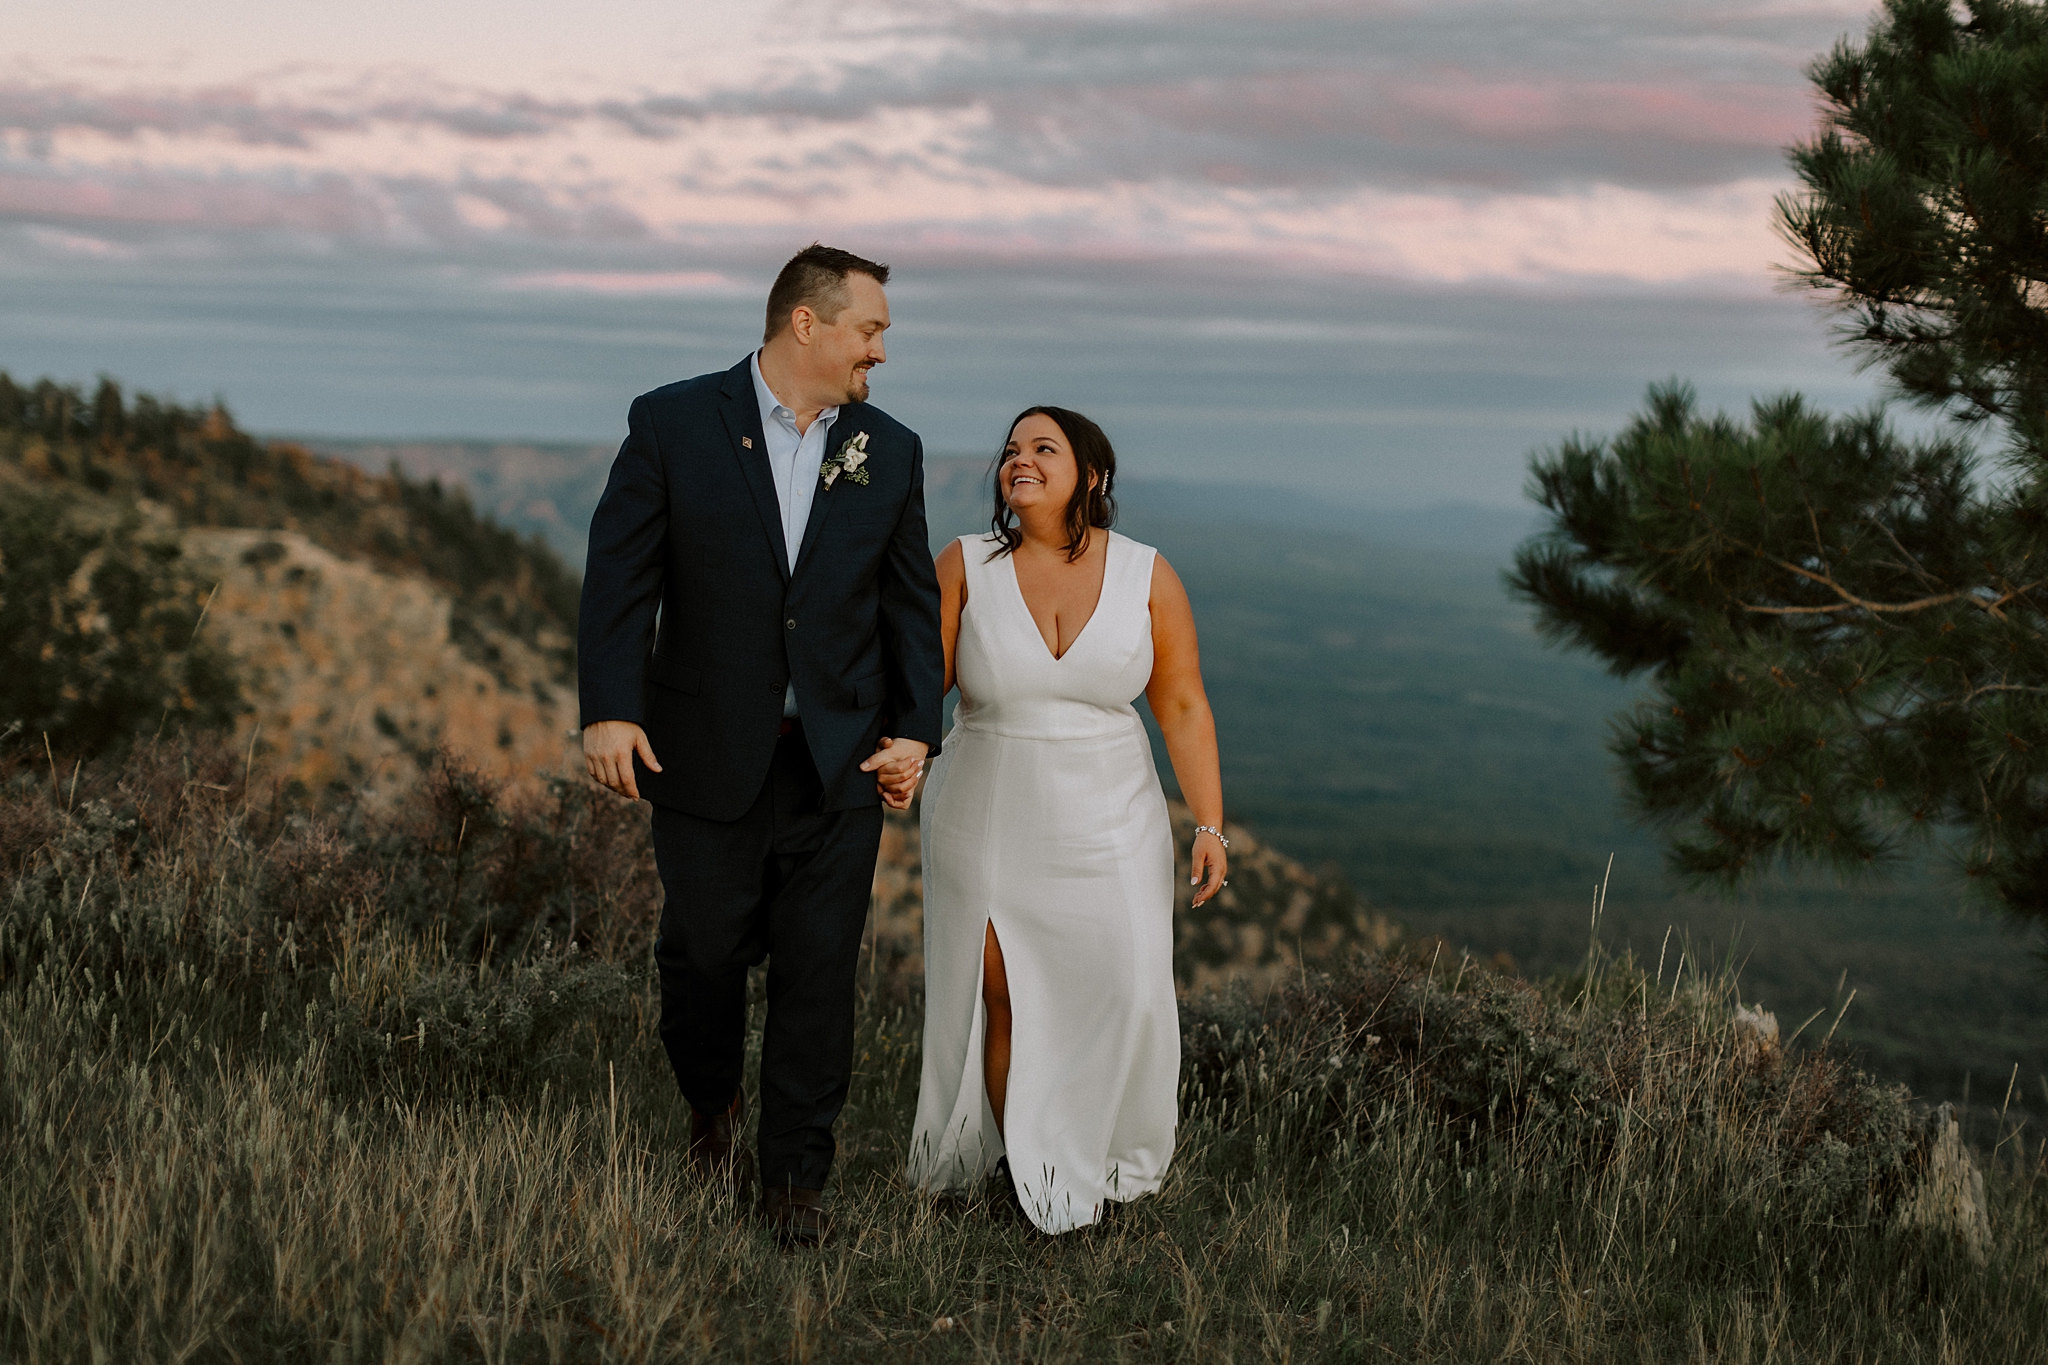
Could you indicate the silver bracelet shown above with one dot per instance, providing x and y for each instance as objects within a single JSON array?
[{"x": 1211, "y": 829}]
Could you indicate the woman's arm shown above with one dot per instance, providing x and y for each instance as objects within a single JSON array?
[
  {"x": 899, "y": 787},
  {"x": 1181, "y": 706},
  {"x": 952, "y": 567}
]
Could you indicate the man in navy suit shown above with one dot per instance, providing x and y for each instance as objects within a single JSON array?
[{"x": 759, "y": 657}]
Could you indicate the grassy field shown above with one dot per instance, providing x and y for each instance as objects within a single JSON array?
[
  {"x": 280, "y": 1081},
  {"x": 280, "y": 1085}
]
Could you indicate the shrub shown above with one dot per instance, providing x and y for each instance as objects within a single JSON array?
[
  {"x": 99, "y": 631},
  {"x": 486, "y": 936},
  {"x": 1631, "y": 1076},
  {"x": 574, "y": 868}
]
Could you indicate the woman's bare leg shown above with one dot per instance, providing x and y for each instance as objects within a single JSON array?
[{"x": 995, "y": 1044}]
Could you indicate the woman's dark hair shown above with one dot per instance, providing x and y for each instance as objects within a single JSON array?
[{"x": 1094, "y": 506}]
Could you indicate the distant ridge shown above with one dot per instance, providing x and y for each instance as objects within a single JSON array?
[
  {"x": 958, "y": 501},
  {"x": 550, "y": 489},
  {"x": 543, "y": 488},
  {"x": 1472, "y": 528}
]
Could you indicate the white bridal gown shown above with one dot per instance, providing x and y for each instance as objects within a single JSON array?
[{"x": 1043, "y": 814}]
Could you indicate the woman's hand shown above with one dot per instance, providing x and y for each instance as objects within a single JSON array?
[
  {"x": 1181, "y": 706},
  {"x": 1211, "y": 866},
  {"x": 897, "y": 765}
]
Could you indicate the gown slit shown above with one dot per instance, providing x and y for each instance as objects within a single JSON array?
[{"x": 991, "y": 934}]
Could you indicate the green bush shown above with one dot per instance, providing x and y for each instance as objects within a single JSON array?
[
  {"x": 99, "y": 631},
  {"x": 574, "y": 868},
  {"x": 464, "y": 1029},
  {"x": 1597, "y": 1090},
  {"x": 498, "y": 942}
]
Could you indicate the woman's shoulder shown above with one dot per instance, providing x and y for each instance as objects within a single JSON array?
[
  {"x": 1135, "y": 551},
  {"x": 974, "y": 553},
  {"x": 976, "y": 549}
]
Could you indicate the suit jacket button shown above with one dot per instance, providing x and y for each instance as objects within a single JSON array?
[
  {"x": 790, "y": 624},
  {"x": 776, "y": 688}
]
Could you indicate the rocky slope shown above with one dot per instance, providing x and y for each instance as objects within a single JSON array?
[{"x": 354, "y": 676}]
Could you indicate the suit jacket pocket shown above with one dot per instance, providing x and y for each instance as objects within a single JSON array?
[
  {"x": 870, "y": 690},
  {"x": 668, "y": 673}
]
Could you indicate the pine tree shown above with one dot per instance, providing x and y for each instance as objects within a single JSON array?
[{"x": 1843, "y": 629}]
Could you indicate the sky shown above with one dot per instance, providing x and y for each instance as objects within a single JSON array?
[{"x": 1376, "y": 250}]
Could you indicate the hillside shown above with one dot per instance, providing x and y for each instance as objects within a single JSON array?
[
  {"x": 371, "y": 619},
  {"x": 370, "y": 631},
  {"x": 202, "y": 470},
  {"x": 355, "y": 676},
  {"x": 542, "y": 489}
]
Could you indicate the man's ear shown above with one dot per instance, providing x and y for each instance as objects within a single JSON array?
[{"x": 803, "y": 324}]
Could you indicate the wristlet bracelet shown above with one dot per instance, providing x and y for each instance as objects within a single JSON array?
[{"x": 1211, "y": 829}]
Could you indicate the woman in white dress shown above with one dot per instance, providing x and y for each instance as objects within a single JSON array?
[{"x": 1051, "y": 1034}]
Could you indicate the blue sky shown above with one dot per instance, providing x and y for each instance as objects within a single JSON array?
[{"x": 1376, "y": 250}]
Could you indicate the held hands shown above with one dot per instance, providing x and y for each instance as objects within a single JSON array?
[
  {"x": 897, "y": 765},
  {"x": 1211, "y": 865},
  {"x": 608, "y": 749}
]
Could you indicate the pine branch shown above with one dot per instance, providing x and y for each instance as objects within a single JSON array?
[{"x": 1967, "y": 596}]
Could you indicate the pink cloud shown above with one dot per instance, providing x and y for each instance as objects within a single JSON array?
[
  {"x": 236, "y": 114},
  {"x": 1295, "y": 137},
  {"x": 623, "y": 282},
  {"x": 324, "y": 204},
  {"x": 1686, "y": 112}
]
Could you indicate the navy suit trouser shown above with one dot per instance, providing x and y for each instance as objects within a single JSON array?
[{"x": 788, "y": 882}]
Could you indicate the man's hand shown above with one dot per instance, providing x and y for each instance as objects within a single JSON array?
[
  {"x": 897, "y": 765},
  {"x": 608, "y": 749}
]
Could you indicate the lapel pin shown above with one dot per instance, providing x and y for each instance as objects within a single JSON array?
[{"x": 747, "y": 441}]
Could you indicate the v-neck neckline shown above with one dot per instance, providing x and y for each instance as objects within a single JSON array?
[{"x": 1101, "y": 590}]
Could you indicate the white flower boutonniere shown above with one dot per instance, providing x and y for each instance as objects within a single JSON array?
[{"x": 851, "y": 461}]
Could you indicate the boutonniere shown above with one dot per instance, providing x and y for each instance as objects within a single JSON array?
[{"x": 850, "y": 461}]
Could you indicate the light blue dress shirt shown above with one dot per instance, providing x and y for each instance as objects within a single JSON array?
[{"x": 794, "y": 458}]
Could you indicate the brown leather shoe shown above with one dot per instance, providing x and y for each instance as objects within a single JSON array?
[
  {"x": 714, "y": 1143},
  {"x": 796, "y": 1217}
]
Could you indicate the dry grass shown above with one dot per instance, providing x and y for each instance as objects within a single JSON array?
[{"x": 225, "y": 1136}]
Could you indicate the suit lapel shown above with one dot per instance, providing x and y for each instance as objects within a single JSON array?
[
  {"x": 821, "y": 496},
  {"x": 742, "y": 414}
]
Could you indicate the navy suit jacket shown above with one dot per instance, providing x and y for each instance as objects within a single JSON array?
[{"x": 689, "y": 523}]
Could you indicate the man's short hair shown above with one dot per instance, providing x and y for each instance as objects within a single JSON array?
[{"x": 815, "y": 278}]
